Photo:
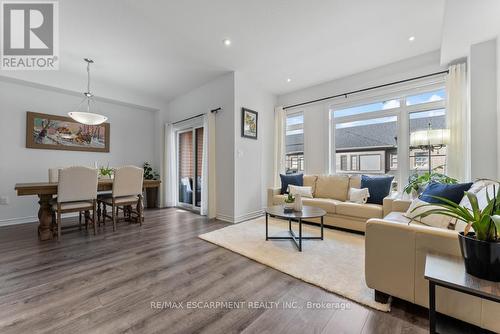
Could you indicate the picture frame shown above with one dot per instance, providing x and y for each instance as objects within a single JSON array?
[
  {"x": 249, "y": 123},
  {"x": 53, "y": 132}
]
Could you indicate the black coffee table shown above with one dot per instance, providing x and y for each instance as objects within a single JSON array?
[{"x": 306, "y": 213}]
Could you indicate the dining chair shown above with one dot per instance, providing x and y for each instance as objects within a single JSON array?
[
  {"x": 76, "y": 192},
  {"x": 126, "y": 193}
]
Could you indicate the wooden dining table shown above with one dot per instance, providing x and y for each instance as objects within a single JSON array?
[{"x": 46, "y": 191}]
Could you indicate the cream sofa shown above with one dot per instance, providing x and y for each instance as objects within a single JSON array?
[
  {"x": 395, "y": 262},
  {"x": 330, "y": 192}
]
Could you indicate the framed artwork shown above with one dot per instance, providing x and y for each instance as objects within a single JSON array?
[
  {"x": 249, "y": 123},
  {"x": 53, "y": 132}
]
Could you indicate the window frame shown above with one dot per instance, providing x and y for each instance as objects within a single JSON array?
[
  {"x": 399, "y": 92},
  {"x": 292, "y": 113}
]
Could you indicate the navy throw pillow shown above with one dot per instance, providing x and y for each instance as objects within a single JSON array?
[
  {"x": 293, "y": 179},
  {"x": 378, "y": 186},
  {"x": 452, "y": 192}
]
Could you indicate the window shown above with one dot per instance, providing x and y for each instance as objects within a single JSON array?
[
  {"x": 294, "y": 143},
  {"x": 366, "y": 132},
  {"x": 367, "y": 142},
  {"x": 419, "y": 156}
]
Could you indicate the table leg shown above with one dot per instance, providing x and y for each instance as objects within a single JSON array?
[
  {"x": 321, "y": 227},
  {"x": 45, "y": 218},
  {"x": 432, "y": 307},
  {"x": 289, "y": 224},
  {"x": 267, "y": 236},
  {"x": 300, "y": 234},
  {"x": 140, "y": 209}
]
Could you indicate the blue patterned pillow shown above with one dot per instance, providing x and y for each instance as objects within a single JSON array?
[
  {"x": 452, "y": 192},
  {"x": 378, "y": 186},
  {"x": 293, "y": 179}
]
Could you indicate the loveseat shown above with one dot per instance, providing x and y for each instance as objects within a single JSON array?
[
  {"x": 395, "y": 252},
  {"x": 330, "y": 192}
]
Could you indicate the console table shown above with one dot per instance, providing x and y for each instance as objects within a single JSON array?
[{"x": 449, "y": 272}]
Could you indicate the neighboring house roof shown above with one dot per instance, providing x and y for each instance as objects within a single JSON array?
[{"x": 366, "y": 136}]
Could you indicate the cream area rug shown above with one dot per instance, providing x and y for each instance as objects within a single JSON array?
[{"x": 336, "y": 264}]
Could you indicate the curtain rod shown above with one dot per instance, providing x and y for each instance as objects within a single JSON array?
[
  {"x": 199, "y": 115},
  {"x": 364, "y": 89}
]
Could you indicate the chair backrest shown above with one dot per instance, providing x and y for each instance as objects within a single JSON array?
[
  {"x": 128, "y": 181},
  {"x": 54, "y": 174},
  {"x": 77, "y": 184}
]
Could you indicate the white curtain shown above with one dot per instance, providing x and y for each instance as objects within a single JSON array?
[
  {"x": 170, "y": 179},
  {"x": 208, "y": 167},
  {"x": 457, "y": 118},
  {"x": 279, "y": 144}
]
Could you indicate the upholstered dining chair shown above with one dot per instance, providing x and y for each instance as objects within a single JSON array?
[
  {"x": 126, "y": 194},
  {"x": 76, "y": 192}
]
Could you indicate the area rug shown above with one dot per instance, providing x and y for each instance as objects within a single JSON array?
[{"x": 336, "y": 264}]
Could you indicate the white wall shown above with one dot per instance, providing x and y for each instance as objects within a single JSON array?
[
  {"x": 131, "y": 142},
  {"x": 253, "y": 158},
  {"x": 316, "y": 132},
  {"x": 217, "y": 93},
  {"x": 483, "y": 102}
]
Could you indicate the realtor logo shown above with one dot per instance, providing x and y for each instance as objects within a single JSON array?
[{"x": 30, "y": 35}]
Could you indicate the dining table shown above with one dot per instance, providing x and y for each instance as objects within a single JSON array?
[{"x": 46, "y": 192}]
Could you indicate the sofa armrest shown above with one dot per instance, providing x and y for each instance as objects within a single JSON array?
[
  {"x": 395, "y": 256},
  {"x": 394, "y": 202},
  {"x": 271, "y": 192}
]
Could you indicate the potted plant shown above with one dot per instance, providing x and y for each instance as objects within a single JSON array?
[
  {"x": 418, "y": 182},
  {"x": 105, "y": 172},
  {"x": 289, "y": 203},
  {"x": 151, "y": 193},
  {"x": 481, "y": 248}
]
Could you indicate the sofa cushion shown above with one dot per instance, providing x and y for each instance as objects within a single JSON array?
[
  {"x": 310, "y": 181},
  {"x": 399, "y": 217},
  {"x": 452, "y": 192},
  {"x": 326, "y": 204},
  {"x": 379, "y": 187},
  {"x": 360, "y": 210},
  {"x": 355, "y": 181},
  {"x": 332, "y": 186},
  {"x": 295, "y": 179}
]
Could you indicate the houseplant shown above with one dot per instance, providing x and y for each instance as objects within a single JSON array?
[
  {"x": 105, "y": 172},
  {"x": 481, "y": 248},
  {"x": 289, "y": 203},
  {"x": 418, "y": 182},
  {"x": 151, "y": 193}
]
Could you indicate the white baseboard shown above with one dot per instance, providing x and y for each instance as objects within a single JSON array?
[
  {"x": 30, "y": 219},
  {"x": 241, "y": 218},
  {"x": 17, "y": 221}
]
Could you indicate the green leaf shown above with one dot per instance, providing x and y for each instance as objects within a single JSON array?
[{"x": 496, "y": 221}]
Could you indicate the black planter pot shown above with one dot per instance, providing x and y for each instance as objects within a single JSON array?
[{"x": 482, "y": 258}]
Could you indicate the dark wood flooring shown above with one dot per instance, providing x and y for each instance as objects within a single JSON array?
[{"x": 106, "y": 284}]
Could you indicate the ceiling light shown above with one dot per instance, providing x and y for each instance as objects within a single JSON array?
[
  {"x": 411, "y": 39},
  {"x": 226, "y": 42},
  {"x": 288, "y": 80},
  {"x": 83, "y": 113}
]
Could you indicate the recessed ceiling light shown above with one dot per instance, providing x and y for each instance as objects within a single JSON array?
[
  {"x": 288, "y": 80},
  {"x": 226, "y": 42},
  {"x": 411, "y": 39}
]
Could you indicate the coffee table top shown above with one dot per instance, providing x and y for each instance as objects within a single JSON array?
[{"x": 307, "y": 212}]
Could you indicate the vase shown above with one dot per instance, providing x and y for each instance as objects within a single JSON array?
[
  {"x": 481, "y": 258},
  {"x": 298, "y": 203}
]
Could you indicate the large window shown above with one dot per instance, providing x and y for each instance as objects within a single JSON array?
[
  {"x": 367, "y": 134},
  {"x": 294, "y": 143}
]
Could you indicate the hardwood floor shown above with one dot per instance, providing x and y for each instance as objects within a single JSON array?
[{"x": 107, "y": 283}]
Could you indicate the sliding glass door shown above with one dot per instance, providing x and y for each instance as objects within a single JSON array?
[{"x": 190, "y": 159}]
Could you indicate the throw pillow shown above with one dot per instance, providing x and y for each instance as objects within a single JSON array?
[
  {"x": 452, "y": 192},
  {"x": 378, "y": 186},
  {"x": 302, "y": 191},
  {"x": 294, "y": 179},
  {"x": 418, "y": 207},
  {"x": 359, "y": 196}
]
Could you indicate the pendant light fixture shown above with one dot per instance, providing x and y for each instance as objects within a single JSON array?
[{"x": 85, "y": 112}]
